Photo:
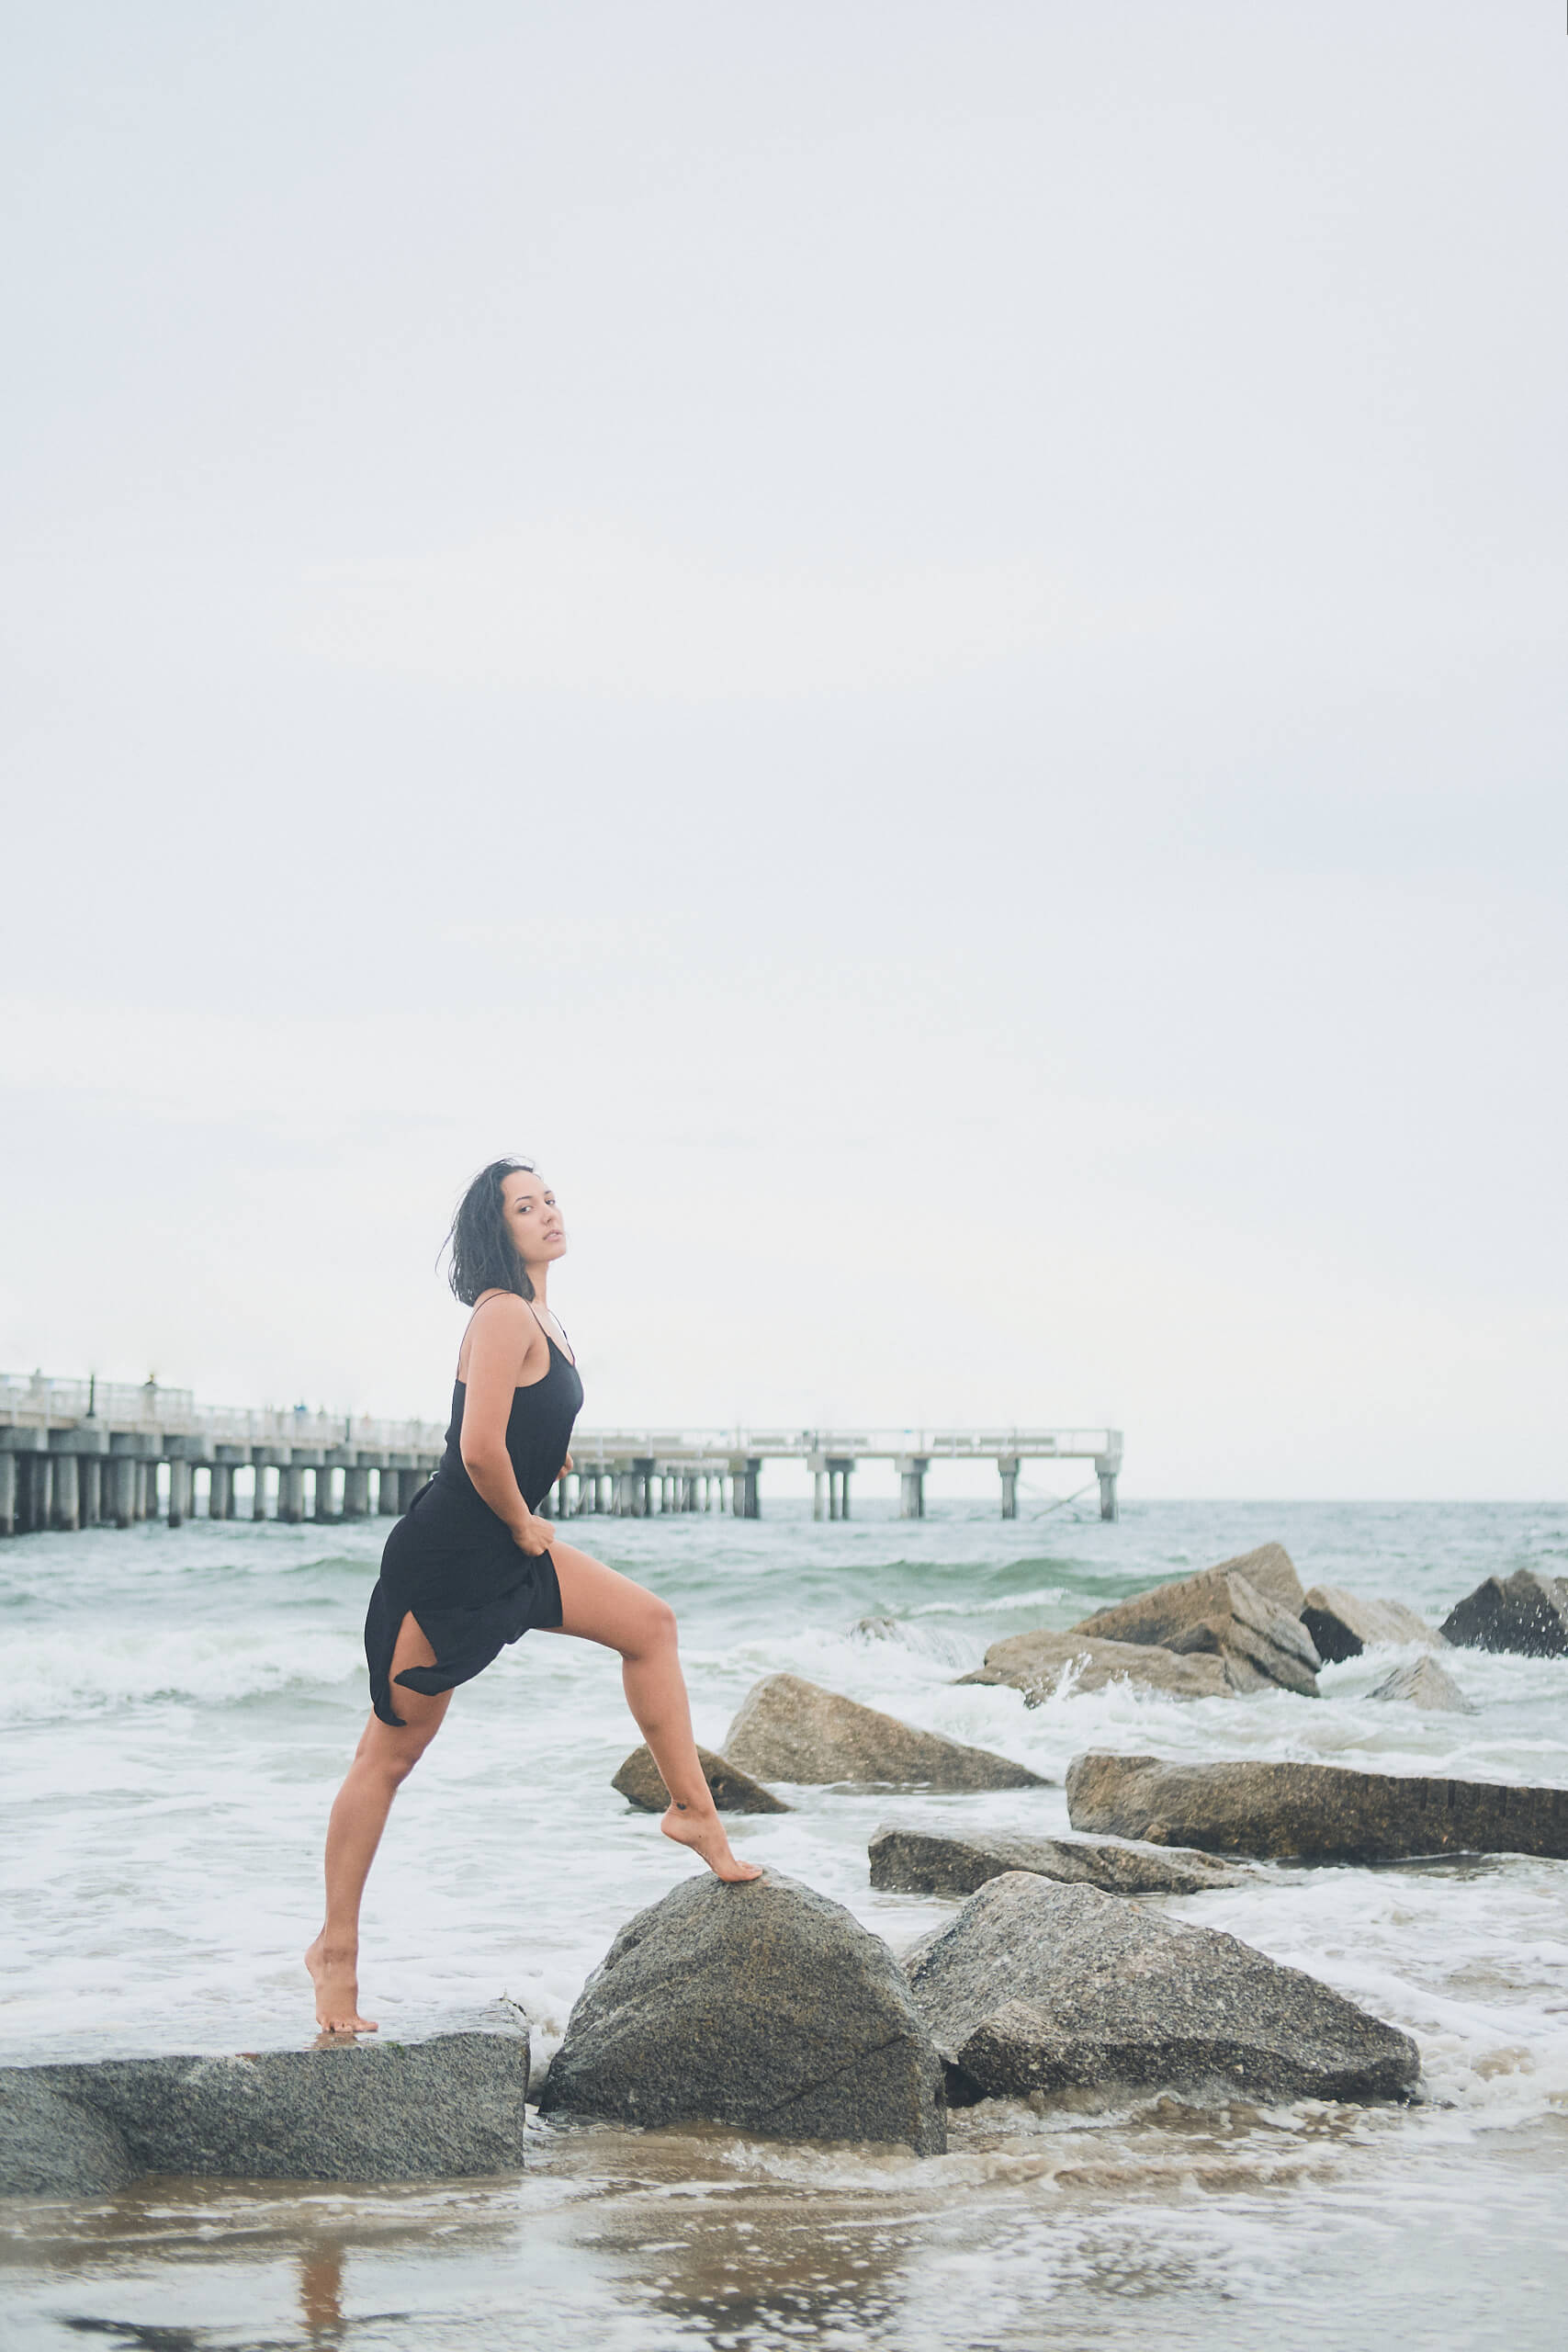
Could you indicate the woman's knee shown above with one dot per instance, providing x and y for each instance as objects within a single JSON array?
[
  {"x": 655, "y": 1628},
  {"x": 391, "y": 1755}
]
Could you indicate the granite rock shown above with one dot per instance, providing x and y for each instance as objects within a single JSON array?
[
  {"x": 365, "y": 2110},
  {"x": 1220, "y": 1612},
  {"x": 1038, "y": 1988},
  {"x": 54, "y": 2146},
  {"x": 1270, "y": 1571},
  {"x": 791, "y": 1730},
  {"x": 1036, "y": 1663},
  {"x": 1425, "y": 1684},
  {"x": 1325, "y": 1813},
  {"x": 733, "y": 1791},
  {"x": 1525, "y": 1614},
  {"x": 914, "y": 1861},
  {"x": 761, "y": 2005},
  {"x": 1342, "y": 1624}
]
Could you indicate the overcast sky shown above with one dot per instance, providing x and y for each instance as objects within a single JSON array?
[{"x": 921, "y": 644}]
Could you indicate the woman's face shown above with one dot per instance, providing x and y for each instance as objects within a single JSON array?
[{"x": 532, "y": 1217}]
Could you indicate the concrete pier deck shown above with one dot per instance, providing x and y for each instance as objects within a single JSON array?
[{"x": 78, "y": 1454}]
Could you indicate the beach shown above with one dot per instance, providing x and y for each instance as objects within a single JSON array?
[{"x": 187, "y": 1703}]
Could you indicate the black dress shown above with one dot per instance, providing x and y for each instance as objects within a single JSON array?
[{"x": 454, "y": 1563}]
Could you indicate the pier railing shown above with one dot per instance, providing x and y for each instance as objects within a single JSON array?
[{"x": 85, "y": 1453}]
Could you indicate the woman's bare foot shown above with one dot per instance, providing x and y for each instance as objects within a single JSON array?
[
  {"x": 336, "y": 1973},
  {"x": 704, "y": 1832}
]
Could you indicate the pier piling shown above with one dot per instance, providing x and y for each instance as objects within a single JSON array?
[{"x": 179, "y": 1492}]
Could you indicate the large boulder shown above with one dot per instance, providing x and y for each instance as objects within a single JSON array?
[
  {"x": 792, "y": 1730},
  {"x": 911, "y": 1861},
  {"x": 1270, "y": 1571},
  {"x": 1424, "y": 1684},
  {"x": 54, "y": 2146},
  {"x": 733, "y": 1791},
  {"x": 359, "y": 2111},
  {"x": 1038, "y": 1663},
  {"x": 1527, "y": 1614},
  {"x": 1342, "y": 1624},
  {"x": 1324, "y": 1813},
  {"x": 1222, "y": 1612},
  {"x": 762, "y": 2006},
  {"x": 1038, "y": 1988}
]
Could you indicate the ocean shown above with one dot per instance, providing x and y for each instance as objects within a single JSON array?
[{"x": 180, "y": 1709}]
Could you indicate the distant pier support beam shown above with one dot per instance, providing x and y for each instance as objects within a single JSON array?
[
  {"x": 1007, "y": 1464},
  {"x": 67, "y": 1510},
  {"x": 912, "y": 1468},
  {"x": 356, "y": 1493},
  {"x": 1106, "y": 1468},
  {"x": 8, "y": 1494},
  {"x": 90, "y": 1472},
  {"x": 745, "y": 1470},
  {"x": 220, "y": 1491},
  {"x": 386, "y": 1494},
  {"x": 179, "y": 1493},
  {"x": 291, "y": 1493},
  {"x": 324, "y": 1492},
  {"x": 120, "y": 1502},
  {"x": 840, "y": 1467},
  {"x": 817, "y": 1466}
]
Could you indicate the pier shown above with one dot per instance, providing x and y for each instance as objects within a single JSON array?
[{"x": 77, "y": 1454}]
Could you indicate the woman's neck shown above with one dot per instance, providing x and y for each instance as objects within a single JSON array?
[{"x": 541, "y": 1282}]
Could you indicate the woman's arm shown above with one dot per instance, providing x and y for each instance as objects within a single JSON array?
[{"x": 499, "y": 1340}]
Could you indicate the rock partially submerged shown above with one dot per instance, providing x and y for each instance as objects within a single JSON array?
[
  {"x": 913, "y": 1860},
  {"x": 1039, "y": 1987},
  {"x": 1311, "y": 1812},
  {"x": 1526, "y": 1614},
  {"x": 733, "y": 1791},
  {"x": 791, "y": 1730},
  {"x": 53, "y": 2146},
  {"x": 762, "y": 2006},
  {"x": 1342, "y": 1624},
  {"x": 1425, "y": 1684},
  {"x": 365, "y": 2110},
  {"x": 1222, "y": 1612},
  {"x": 1038, "y": 1663}
]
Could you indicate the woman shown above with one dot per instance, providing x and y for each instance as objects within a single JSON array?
[{"x": 472, "y": 1567}]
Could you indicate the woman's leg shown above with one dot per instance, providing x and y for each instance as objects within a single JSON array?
[
  {"x": 599, "y": 1606},
  {"x": 382, "y": 1762}
]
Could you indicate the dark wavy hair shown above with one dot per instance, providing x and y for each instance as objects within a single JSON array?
[{"x": 484, "y": 1256}]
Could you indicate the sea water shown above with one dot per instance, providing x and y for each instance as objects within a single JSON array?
[{"x": 180, "y": 1706}]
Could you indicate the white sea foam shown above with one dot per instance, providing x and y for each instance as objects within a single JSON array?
[
  {"x": 63, "y": 1672},
  {"x": 1041, "y": 1596}
]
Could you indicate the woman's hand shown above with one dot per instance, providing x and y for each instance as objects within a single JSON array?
[{"x": 534, "y": 1535}]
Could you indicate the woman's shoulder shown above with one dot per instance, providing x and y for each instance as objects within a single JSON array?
[
  {"x": 502, "y": 1327},
  {"x": 513, "y": 1308}
]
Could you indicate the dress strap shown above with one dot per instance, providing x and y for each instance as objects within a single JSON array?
[{"x": 563, "y": 1343}]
